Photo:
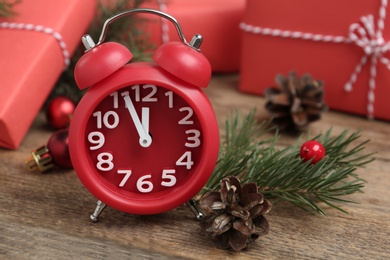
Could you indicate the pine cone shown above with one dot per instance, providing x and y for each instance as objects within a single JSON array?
[
  {"x": 235, "y": 214},
  {"x": 295, "y": 102}
]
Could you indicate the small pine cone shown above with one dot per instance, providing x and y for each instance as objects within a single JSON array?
[
  {"x": 295, "y": 102},
  {"x": 235, "y": 214}
]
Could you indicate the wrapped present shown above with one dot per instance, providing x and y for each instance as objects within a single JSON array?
[
  {"x": 344, "y": 43},
  {"x": 35, "y": 48},
  {"x": 216, "y": 20}
]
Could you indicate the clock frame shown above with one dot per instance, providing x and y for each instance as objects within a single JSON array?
[
  {"x": 144, "y": 138},
  {"x": 138, "y": 202}
]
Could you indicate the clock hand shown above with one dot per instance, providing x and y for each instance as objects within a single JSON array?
[
  {"x": 144, "y": 138},
  {"x": 145, "y": 119}
]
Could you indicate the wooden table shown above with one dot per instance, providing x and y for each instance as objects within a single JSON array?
[{"x": 46, "y": 216}]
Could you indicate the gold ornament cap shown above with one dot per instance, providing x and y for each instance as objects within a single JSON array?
[{"x": 40, "y": 160}]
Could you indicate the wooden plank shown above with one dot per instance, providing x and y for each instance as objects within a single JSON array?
[{"x": 46, "y": 216}]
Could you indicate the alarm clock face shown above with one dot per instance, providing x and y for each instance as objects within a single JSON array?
[{"x": 143, "y": 141}]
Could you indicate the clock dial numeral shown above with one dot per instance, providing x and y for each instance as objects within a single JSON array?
[
  {"x": 185, "y": 160},
  {"x": 169, "y": 94},
  {"x": 195, "y": 140},
  {"x": 114, "y": 95},
  {"x": 96, "y": 138},
  {"x": 137, "y": 95},
  {"x": 125, "y": 178},
  {"x": 168, "y": 174},
  {"x": 105, "y": 119},
  {"x": 105, "y": 162},
  {"x": 143, "y": 185},
  {"x": 186, "y": 119},
  {"x": 149, "y": 97}
]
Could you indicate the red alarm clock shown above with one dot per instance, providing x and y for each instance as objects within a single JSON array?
[{"x": 144, "y": 138}]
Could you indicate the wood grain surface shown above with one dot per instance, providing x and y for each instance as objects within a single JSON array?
[{"x": 46, "y": 216}]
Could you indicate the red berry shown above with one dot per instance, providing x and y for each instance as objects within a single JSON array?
[
  {"x": 59, "y": 112},
  {"x": 312, "y": 150}
]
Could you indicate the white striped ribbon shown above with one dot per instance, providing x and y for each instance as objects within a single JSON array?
[
  {"x": 41, "y": 29},
  {"x": 164, "y": 22}
]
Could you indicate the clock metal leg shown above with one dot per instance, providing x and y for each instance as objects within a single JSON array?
[
  {"x": 99, "y": 208},
  {"x": 194, "y": 208}
]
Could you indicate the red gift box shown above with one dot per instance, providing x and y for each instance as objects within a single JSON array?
[
  {"x": 217, "y": 21},
  {"x": 344, "y": 43},
  {"x": 35, "y": 46}
]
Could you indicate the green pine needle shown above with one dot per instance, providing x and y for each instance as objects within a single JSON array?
[
  {"x": 281, "y": 174},
  {"x": 6, "y": 8}
]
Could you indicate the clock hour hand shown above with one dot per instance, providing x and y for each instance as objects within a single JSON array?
[
  {"x": 145, "y": 119},
  {"x": 142, "y": 128}
]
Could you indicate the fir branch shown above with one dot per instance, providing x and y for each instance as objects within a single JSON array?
[
  {"x": 282, "y": 175},
  {"x": 238, "y": 150},
  {"x": 6, "y": 8}
]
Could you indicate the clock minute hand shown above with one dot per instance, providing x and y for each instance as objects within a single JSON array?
[{"x": 144, "y": 138}]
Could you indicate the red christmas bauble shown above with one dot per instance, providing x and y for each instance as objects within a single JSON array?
[
  {"x": 59, "y": 112},
  {"x": 312, "y": 150},
  {"x": 59, "y": 149}
]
